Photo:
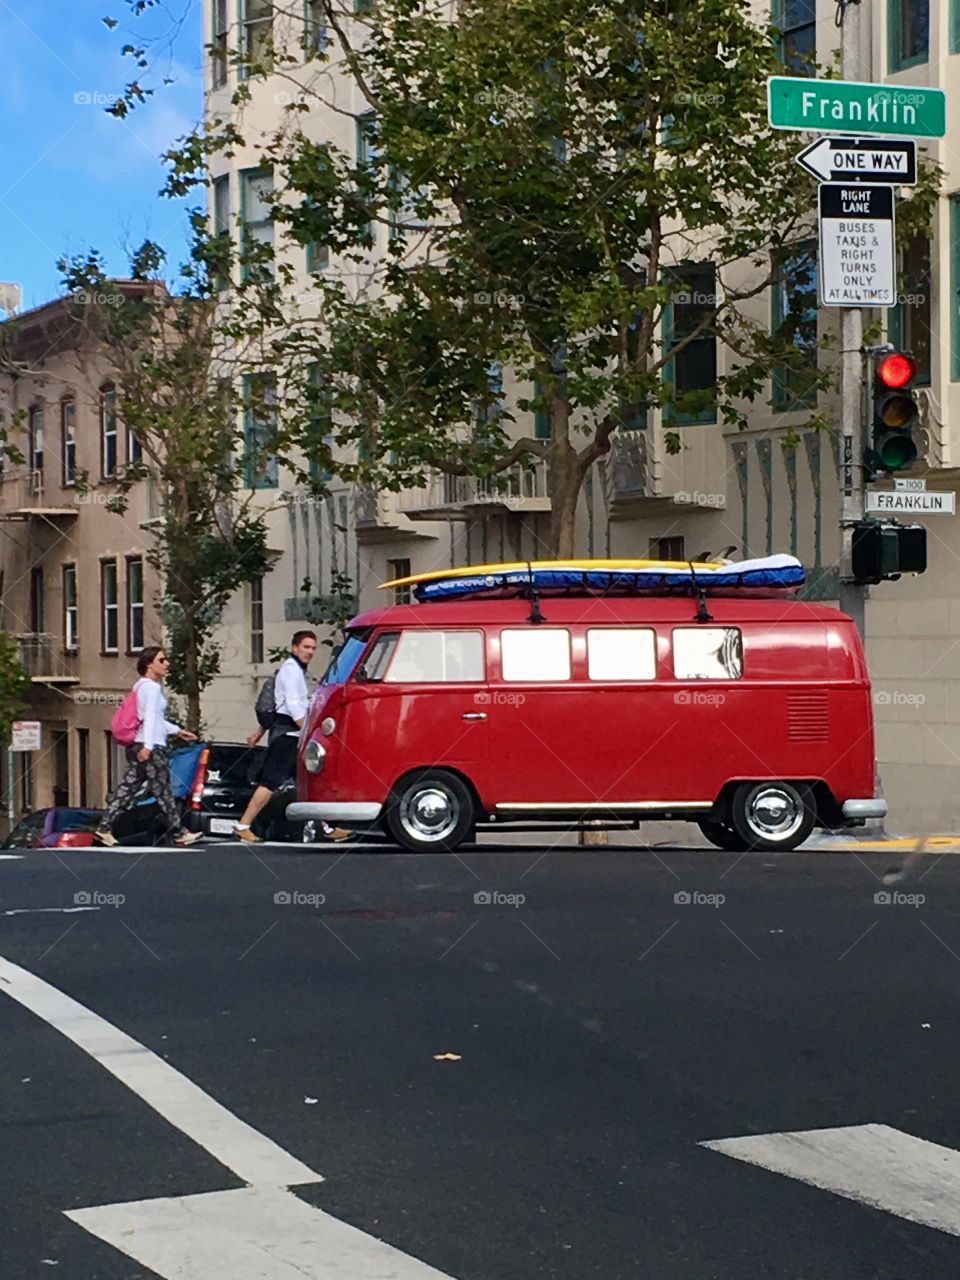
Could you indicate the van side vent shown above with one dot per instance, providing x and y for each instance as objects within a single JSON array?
[{"x": 807, "y": 717}]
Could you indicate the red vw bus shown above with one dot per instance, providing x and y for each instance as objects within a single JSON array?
[{"x": 751, "y": 718}]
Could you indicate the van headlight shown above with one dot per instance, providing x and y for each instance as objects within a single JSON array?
[{"x": 314, "y": 756}]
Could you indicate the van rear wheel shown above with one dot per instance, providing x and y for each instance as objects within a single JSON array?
[
  {"x": 721, "y": 835},
  {"x": 772, "y": 815},
  {"x": 430, "y": 812}
]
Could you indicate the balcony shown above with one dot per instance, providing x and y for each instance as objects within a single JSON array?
[
  {"x": 444, "y": 497},
  {"x": 376, "y": 518},
  {"x": 25, "y": 496},
  {"x": 635, "y": 483},
  {"x": 45, "y": 662}
]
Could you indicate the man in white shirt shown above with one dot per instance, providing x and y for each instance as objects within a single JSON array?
[{"x": 291, "y": 696}]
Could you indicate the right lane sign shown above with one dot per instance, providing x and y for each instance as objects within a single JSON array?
[
  {"x": 888, "y": 161},
  {"x": 857, "y": 259}
]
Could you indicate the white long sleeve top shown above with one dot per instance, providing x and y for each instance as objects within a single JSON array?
[
  {"x": 154, "y": 728},
  {"x": 291, "y": 694}
]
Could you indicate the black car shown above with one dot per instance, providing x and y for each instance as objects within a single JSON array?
[{"x": 215, "y": 780}]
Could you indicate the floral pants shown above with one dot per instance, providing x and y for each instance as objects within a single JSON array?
[{"x": 155, "y": 771}]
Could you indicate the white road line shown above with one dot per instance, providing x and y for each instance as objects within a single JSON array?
[
  {"x": 258, "y": 1233},
  {"x": 39, "y": 911},
  {"x": 241, "y": 1148},
  {"x": 11, "y": 857},
  {"x": 870, "y": 1163}
]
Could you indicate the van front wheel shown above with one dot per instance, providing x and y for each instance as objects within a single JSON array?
[
  {"x": 772, "y": 815},
  {"x": 430, "y": 812}
]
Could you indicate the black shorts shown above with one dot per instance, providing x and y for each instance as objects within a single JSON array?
[{"x": 280, "y": 762}]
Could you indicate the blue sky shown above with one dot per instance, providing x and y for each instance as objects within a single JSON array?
[{"x": 74, "y": 177}]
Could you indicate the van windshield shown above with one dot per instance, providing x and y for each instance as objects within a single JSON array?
[{"x": 346, "y": 658}]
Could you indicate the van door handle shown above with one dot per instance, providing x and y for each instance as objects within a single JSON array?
[{"x": 474, "y": 715}]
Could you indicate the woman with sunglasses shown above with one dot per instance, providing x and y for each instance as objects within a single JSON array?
[{"x": 147, "y": 759}]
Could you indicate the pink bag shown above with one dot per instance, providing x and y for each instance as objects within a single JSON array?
[{"x": 126, "y": 720}]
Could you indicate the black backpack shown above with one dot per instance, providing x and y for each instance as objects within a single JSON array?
[{"x": 266, "y": 704}]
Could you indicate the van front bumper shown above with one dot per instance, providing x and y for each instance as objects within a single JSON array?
[
  {"x": 856, "y": 810},
  {"x": 333, "y": 811}
]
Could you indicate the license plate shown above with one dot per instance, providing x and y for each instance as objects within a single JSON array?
[{"x": 222, "y": 826}]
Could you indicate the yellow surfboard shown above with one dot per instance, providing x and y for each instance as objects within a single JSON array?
[{"x": 514, "y": 566}]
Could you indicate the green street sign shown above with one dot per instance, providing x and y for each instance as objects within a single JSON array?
[{"x": 847, "y": 106}]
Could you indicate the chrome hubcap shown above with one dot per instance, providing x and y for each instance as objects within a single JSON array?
[
  {"x": 774, "y": 814},
  {"x": 429, "y": 813}
]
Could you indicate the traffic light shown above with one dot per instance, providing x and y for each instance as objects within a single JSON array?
[
  {"x": 885, "y": 549},
  {"x": 895, "y": 412}
]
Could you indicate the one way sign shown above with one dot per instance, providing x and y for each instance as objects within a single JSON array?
[{"x": 886, "y": 161}]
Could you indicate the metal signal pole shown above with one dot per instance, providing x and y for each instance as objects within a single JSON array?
[{"x": 852, "y": 441}]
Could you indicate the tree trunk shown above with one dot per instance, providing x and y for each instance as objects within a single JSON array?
[{"x": 564, "y": 484}]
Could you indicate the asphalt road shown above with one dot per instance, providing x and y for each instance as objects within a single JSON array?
[{"x": 603, "y": 1029}]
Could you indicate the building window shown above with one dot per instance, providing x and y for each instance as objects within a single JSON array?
[
  {"x": 221, "y": 229},
  {"x": 667, "y": 549},
  {"x": 35, "y": 445},
  {"x": 953, "y": 45},
  {"x": 909, "y": 326},
  {"x": 109, "y": 624},
  {"x": 71, "y": 630},
  {"x": 134, "y": 447},
  {"x": 36, "y": 601},
  {"x": 256, "y": 214},
  {"x": 955, "y": 283},
  {"x": 693, "y": 370},
  {"x": 108, "y": 432},
  {"x": 261, "y": 465},
  {"x": 908, "y": 32},
  {"x": 400, "y": 569},
  {"x": 256, "y": 33},
  {"x": 318, "y": 257},
  {"x": 794, "y": 300},
  {"x": 134, "y": 604},
  {"x": 83, "y": 759},
  {"x": 68, "y": 441},
  {"x": 490, "y": 410},
  {"x": 320, "y": 438},
  {"x": 218, "y": 51},
  {"x": 367, "y": 148},
  {"x": 363, "y": 6},
  {"x": 256, "y": 620},
  {"x": 315, "y": 35},
  {"x": 541, "y": 415},
  {"x": 797, "y": 23}
]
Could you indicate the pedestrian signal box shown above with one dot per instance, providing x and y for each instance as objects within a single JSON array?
[{"x": 885, "y": 550}]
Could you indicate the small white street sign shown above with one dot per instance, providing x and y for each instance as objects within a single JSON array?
[
  {"x": 924, "y": 503},
  {"x": 903, "y": 485},
  {"x": 857, "y": 258},
  {"x": 888, "y": 161},
  {"x": 26, "y": 736}
]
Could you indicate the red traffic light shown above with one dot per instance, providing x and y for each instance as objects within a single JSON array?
[{"x": 896, "y": 370}]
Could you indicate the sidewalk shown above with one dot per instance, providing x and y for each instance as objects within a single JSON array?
[{"x": 870, "y": 840}]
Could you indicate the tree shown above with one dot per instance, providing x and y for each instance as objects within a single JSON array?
[
  {"x": 558, "y": 182},
  {"x": 14, "y": 684},
  {"x": 187, "y": 378}
]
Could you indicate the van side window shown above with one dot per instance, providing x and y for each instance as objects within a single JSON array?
[
  {"x": 707, "y": 653},
  {"x": 621, "y": 653},
  {"x": 381, "y": 651},
  {"x": 443, "y": 657},
  {"x": 535, "y": 653}
]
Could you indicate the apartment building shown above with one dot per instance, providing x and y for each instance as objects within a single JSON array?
[
  {"x": 771, "y": 487},
  {"x": 76, "y": 585}
]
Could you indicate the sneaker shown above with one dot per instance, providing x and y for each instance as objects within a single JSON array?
[
  {"x": 185, "y": 838},
  {"x": 338, "y": 833},
  {"x": 244, "y": 833},
  {"x": 105, "y": 837}
]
